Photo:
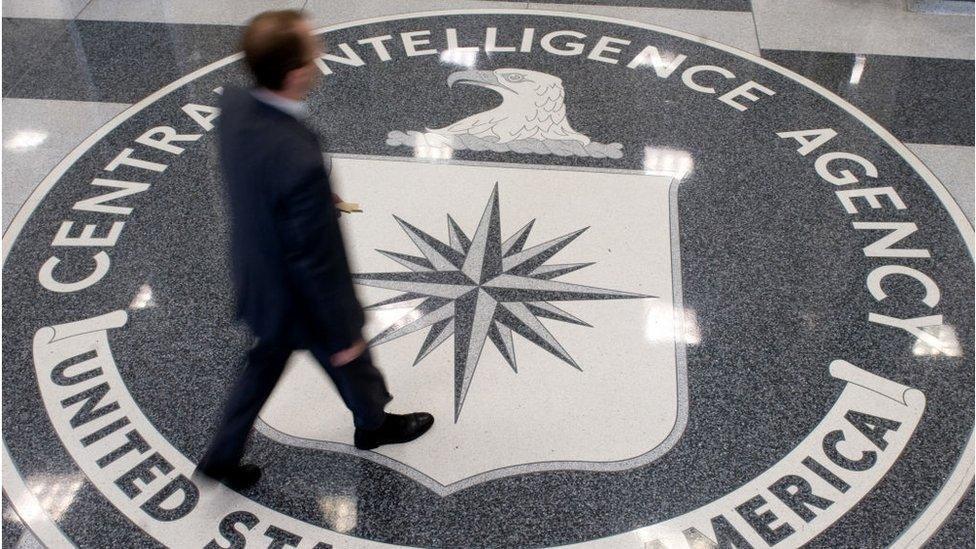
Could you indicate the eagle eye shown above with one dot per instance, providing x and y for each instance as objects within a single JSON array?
[{"x": 514, "y": 77}]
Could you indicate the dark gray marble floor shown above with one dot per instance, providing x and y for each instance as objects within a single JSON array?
[
  {"x": 80, "y": 60},
  {"x": 910, "y": 96},
  {"x": 25, "y": 43}
]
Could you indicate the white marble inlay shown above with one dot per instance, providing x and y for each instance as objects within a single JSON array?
[{"x": 622, "y": 404}]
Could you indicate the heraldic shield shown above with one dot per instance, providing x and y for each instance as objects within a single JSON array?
[{"x": 535, "y": 311}]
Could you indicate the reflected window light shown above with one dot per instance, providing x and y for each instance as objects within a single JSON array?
[
  {"x": 438, "y": 153},
  {"x": 381, "y": 317},
  {"x": 658, "y": 62},
  {"x": 462, "y": 57},
  {"x": 670, "y": 162},
  {"x": 26, "y": 139},
  {"x": 143, "y": 299},
  {"x": 341, "y": 512},
  {"x": 664, "y": 537},
  {"x": 54, "y": 493},
  {"x": 947, "y": 345},
  {"x": 645, "y": 535},
  {"x": 660, "y": 324},
  {"x": 692, "y": 332},
  {"x": 858, "y": 69}
]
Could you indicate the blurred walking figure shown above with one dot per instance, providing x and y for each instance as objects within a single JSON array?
[{"x": 291, "y": 274}]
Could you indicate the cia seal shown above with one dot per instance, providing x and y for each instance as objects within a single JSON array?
[{"x": 762, "y": 337}]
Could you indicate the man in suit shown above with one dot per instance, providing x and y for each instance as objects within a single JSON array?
[{"x": 290, "y": 269}]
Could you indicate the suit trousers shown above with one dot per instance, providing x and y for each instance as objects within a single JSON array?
[{"x": 360, "y": 384}]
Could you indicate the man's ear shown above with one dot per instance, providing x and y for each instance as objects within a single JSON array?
[
  {"x": 290, "y": 79},
  {"x": 300, "y": 76}
]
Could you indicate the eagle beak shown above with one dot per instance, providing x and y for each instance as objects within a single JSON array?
[{"x": 485, "y": 79}]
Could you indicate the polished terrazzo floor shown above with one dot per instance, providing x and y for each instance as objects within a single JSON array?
[{"x": 730, "y": 304}]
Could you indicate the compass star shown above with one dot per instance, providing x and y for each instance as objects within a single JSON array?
[{"x": 482, "y": 288}]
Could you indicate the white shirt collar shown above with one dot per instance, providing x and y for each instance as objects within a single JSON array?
[{"x": 298, "y": 109}]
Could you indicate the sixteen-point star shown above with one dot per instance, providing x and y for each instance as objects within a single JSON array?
[{"x": 482, "y": 288}]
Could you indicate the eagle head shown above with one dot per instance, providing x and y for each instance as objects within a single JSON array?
[
  {"x": 532, "y": 108},
  {"x": 509, "y": 82}
]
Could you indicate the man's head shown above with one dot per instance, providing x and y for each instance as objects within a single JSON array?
[{"x": 280, "y": 51}]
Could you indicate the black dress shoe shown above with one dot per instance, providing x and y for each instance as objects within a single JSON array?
[
  {"x": 240, "y": 477},
  {"x": 395, "y": 430}
]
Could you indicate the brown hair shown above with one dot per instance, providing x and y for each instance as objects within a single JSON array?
[{"x": 273, "y": 46}]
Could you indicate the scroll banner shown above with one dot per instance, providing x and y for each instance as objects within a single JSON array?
[
  {"x": 149, "y": 480},
  {"x": 819, "y": 481},
  {"x": 134, "y": 466}
]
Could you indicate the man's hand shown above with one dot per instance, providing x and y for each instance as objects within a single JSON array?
[
  {"x": 346, "y": 356},
  {"x": 345, "y": 207}
]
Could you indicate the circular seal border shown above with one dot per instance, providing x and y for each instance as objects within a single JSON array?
[{"x": 921, "y": 529}]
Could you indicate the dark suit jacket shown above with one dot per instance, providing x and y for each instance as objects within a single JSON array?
[{"x": 291, "y": 274}]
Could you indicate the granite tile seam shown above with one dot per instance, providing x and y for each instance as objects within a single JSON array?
[
  {"x": 81, "y": 62},
  {"x": 919, "y": 99},
  {"x": 878, "y": 27}
]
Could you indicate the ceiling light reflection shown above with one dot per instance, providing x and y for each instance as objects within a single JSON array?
[
  {"x": 659, "y": 60},
  {"x": 463, "y": 57},
  {"x": 948, "y": 344},
  {"x": 660, "y": 324},
  {"x": 691, "y": 330},
  {"x": 384, "y": 316},
  {"x": 656, "y": 536},
  {"x": 437, "y": 153},
  {"x": 858, "y": 69},
  {"x": 341, "y": 512},
  {"x": 26, "y": 139},
  {"x": 670, "y": 162},
  {"x": 143, "y": 299},
  {"x": 54, "y": 493}
]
